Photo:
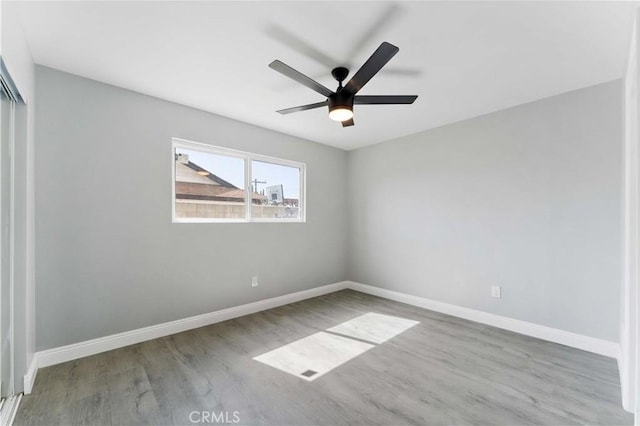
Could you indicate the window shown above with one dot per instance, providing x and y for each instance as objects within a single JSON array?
[
  {"x": 280, "y": 185},
  {"x": 213, "y": 184}
]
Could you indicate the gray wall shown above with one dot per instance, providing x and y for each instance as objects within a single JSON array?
[
  {"x": 528, "y": 198},
  {"x": 108, "y": 257}
]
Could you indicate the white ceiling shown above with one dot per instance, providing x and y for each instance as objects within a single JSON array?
[{"x": 463, "y": 59}]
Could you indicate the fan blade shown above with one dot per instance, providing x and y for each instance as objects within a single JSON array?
[
  {"x": 380, "y": 57},
  {"x": 348, "y": 123},
  {"x": 386, "y": 17},
  {"x": 301, "y": 46},
  {"x": 384, "y": 100},
  {"x": 303, "y": 107},
  {"x": 285, "y": 69}
]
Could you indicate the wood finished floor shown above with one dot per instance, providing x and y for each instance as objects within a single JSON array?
[{"x": 444, "y": 370}]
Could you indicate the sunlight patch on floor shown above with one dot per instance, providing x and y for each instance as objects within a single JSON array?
[
  {"x": 373, "y": 327},
  {"x": 315, "y": 355}
]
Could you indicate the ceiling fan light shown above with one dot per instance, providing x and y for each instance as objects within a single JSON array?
[{"x": 341, "y": 113}]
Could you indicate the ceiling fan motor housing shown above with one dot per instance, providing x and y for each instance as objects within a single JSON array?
[{"x": 340, "y": 100}]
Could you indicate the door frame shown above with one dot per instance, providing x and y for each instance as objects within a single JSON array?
[{"x": 8, "y": 86}]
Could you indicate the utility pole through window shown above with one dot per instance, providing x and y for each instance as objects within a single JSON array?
[{"x": 254, "y": 187}]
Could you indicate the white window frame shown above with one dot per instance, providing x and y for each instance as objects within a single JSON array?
[{"x": 248, "y": 157}]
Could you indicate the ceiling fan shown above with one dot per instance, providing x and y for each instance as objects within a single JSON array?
[{"x": 341, "y": 101}]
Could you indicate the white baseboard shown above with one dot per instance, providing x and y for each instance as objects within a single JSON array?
[
  {"x": 624, "y": 390},
  {"x": 623, "y": 366},
  {"x": 579, "y": 341},
  {"x": 30, "y": 377},
  {"x": 91, "y": 347},
  {"x": 94, "y": 346}
]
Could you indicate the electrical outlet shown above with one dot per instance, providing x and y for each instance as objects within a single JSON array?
[
  {"x": 496, "y": 291},
  {"x": 254, "y": 281}
]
